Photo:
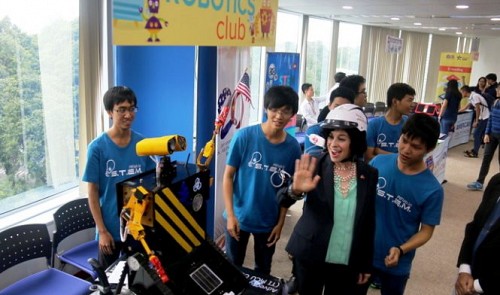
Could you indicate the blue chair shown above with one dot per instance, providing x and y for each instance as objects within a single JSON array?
[
  {"x": 27, "y": 242},
  {"x": 69, "y": 219}
]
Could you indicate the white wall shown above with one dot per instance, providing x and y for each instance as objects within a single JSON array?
[{"x": 487, "y": 62}]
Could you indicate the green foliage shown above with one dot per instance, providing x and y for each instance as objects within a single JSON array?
[{"x": 22, "y": 136}]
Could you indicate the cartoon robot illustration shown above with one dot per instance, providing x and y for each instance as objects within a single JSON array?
[
  {"x": 153, "y": 23},
  {"x": 266, "y": 19}
]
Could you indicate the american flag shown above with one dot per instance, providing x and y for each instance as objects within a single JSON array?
[{"x": 243, "y": 88}]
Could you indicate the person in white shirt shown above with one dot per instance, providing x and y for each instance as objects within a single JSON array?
[
  {"x": 480, "y": 105},
  {"x": 339, "y": 76},
  {"x": 309, "y": 108}
]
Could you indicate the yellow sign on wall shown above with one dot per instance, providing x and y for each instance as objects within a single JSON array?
[
  {"x": 453, "y": 66},
  {"x": 195, "y": 22}
]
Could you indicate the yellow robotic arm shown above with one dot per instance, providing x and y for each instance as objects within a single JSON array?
[{"x": 132, "y": 213}]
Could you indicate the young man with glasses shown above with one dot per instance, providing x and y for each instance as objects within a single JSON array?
[
  {"x": 259, "y": 161},
  {"x": 357, "y": 84},
  {"x": 111, "y": 158}
]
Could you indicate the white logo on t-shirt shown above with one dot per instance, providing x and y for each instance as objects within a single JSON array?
[
  {"x": 112, "y": 172},
  {"x": 398, "y": 200}
]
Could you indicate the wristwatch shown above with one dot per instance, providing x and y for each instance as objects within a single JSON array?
[{"x": 294, "y": 196}]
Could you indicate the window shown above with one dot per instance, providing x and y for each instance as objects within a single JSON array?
[
  {"x": 348, "y": 48},
  {"x": 319, "y": 42},
  {"x": 257, "y": 62},
  {"x": 39, "y": 103},
  {"x": 288, "y": 32}
]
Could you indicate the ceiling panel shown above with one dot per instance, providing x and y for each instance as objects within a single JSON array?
[{"x": 433, "y": 15}]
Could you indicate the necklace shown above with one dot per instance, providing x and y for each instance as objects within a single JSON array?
[{"x": 344, "y": 177}]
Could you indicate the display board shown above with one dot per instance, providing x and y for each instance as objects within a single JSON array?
[
  {"x": 207, "y": 23},
  {"x": 462, "y": 129}
]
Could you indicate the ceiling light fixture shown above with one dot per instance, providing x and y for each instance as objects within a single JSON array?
[
  {"x": 394, "y": 18},
  {"x": 495, "y": 19},
  {"x": 417, "y": 24},
  {"x": 462, "y": 6},
  {"x": 458, "y": 33},
  {"x": 442, "y": 29},
  {"x": 346, "y": 7}
]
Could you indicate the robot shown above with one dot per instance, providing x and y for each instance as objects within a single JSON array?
[
  {"x": 163, "y": 221},
  {"x": 153, "y": 23}
]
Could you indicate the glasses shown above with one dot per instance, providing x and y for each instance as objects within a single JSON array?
[
  {"x": 362, "y": 92},
  {"x": 284, "y": 113},
  {"x": 123, "y": 110}
]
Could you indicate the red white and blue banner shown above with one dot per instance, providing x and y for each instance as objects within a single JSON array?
[{"x": 233, "y": 112}]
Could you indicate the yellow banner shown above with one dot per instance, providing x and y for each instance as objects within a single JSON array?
[
  {"x": 453, "y": 66},
  {"x": 195, "y": 22}
]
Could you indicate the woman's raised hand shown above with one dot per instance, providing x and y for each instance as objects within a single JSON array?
[{"x": 304, "y": 179}]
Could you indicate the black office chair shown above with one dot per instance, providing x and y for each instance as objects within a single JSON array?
[
  {"x": 300, "y": 123},
  {"x": 27, "y": 242},
  {"x": 380, "y": 108},
  {"x": 69, "y": 219},
  {"x": 369, "y": 109}
]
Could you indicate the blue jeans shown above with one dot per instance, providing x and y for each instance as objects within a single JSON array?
[
  {"x": 447, "y": 126},
  {"x": 478, "y": 134},
  {"x": 236, "y": 250}
]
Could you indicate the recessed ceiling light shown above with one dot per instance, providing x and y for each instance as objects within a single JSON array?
[
  {"x": 417, "y": 24},
  {"x": 462, "y": 6},
  {"x": 346, "y": 7},
  {"x": 442, "y": 29},
  {"x": 495, "y": 19},
  {"x": 394, "y": 18},
  {"x": 458, "y": 33}
]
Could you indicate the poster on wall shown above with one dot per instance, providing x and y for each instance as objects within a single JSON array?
[
  {"x": 207, "y": 23},
  {"x": 393, "y": 44},
  {"x": 453, "y": 66},
  {"x": 233, "y": 109},
  {"x": 282, "y": 68}
]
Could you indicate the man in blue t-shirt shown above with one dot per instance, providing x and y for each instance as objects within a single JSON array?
[
  {"x": 383, "y": 132},
  {"x": 259, "y": 161},
  {"x": 111, "y": 158},
  {"x": 406, "y": 213}
]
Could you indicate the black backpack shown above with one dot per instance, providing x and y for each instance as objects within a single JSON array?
[{"x": 489, "y": 99}]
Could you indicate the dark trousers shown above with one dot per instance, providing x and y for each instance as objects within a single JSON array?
[
  {"x": 334, "y": 278},
  {"x": 106, "y": 260},
  {"x": 478, "y": 134},
  {"x": 236, "y": 250},
  {"x": 390, "y": 284},
  {"x": 489, "y": 151}
]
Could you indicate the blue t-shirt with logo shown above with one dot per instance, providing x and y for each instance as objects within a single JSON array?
[
  {"x": 383, "y": 135},
  {"x": 403, "y": 203},
  {"x": 259, "y": 165},
  {"x": 108, "y": 164}
]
